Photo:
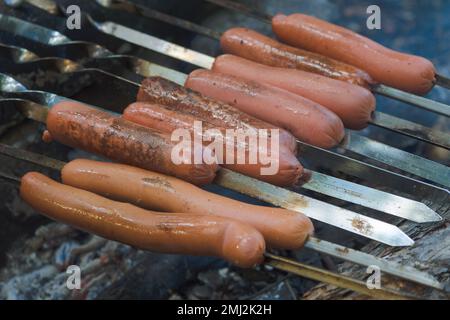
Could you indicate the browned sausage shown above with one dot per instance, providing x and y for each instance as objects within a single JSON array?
[
  {"x": 249, "y": 44},
  {"x": 400, "y": 70},
  {"x": 183, "y": 100},
  {"x": 281, "y": 228},
  {"x": 305, "y": 119},
  {"x": 180, "y": 233},
  {"x": 353, "y": 104},
  {"x": 286, "y": 168},
  {"x": 93, "y": 130}
]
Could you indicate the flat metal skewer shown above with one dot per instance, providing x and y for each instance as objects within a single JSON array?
[
  {"x": 442, "y": 81},
  {"x": 161, "y": 16},
  {"x": 384, "y": 90},
  {"x": 123, "y": 32},
  {"x": 155, "y": 44},
  {"x": 241, "y": 8},
  {"x": 412, "y": 129},
  {"x": 431, "y": 171},
  {"x": 22, "y": 56},
  {"x": 303, "y": 270},
  {"x": 365, "y": 259},
  {"x": 145, "y": 68},
  {"x": 337, "y": 188},
  {"x": 371, "y": 198},
  {"x": 338, "y": 280},
  {"x": 424, "y": 103},
  {"x": 344, "y": 219},
  {"x": 313, "y": 243},
  {"x": 400, "y": 159},
  {"x": 315, "y": 209}
]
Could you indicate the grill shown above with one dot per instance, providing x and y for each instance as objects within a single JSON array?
[{"x": 382, "y": 194}]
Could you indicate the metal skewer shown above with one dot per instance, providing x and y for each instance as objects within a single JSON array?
[
  {"x": 384, "y": 90},
  {"x": 385, "y": 121},
  {"x": 442, "y": 81},
  {"x": 301, "y": 269},
  {"x": 161, "y": 16},
  {"x": 418, "y": 101},
  {"x": 412, "y": 99},
  {"x": 311, "y": 272},
  {"x": 431, "y": 171},
  {"x": 241, "y": 8},
  {"x": 417, "y": 188},
  {"x": 181, "y": 53},
  {"x": 266, "y": 18},
  {"x": 313, "y": 243},
  {"x": 101, "y": 57},
  {"x": 341, "y": 189},
  {"x": 22, "y": 56},
  {"x": 400, "y": 159},
  {"x": 315, "y": 209}
]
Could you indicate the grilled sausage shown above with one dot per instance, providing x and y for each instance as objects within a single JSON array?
[
  {"x": 281, "y": 228},
  {"x": 96, "y": 131},
  {"x": 400, "y": 70},
  {"x": 286, "y": 168},
  {"x": 306, "y": 120},
  {"x": 180, "y": 233},
  {"x": 353, "y": 104},
  {"x": 251, "y": 45},
  {"x": 183, "y": 100}
]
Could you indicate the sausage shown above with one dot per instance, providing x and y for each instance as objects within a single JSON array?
[
  {"x": 83, "y": 127},
  {"x": 181, "y": 233},
  {"x": 400, "y": 70},
  {"x": 353, "y": 104},
  {"x": 251, "y": 45},
  {"x": 286, "y": 168},
  {"x": 183, "y": 100},
  {"x": 306, "y": 120},
  {"x": 281, "y": 228}
]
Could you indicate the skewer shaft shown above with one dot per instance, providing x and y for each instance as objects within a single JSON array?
[
  {"x": 277, "y": 262},
  {"x": 338, "y": 280},
  {"x": 442, "y": 81}
]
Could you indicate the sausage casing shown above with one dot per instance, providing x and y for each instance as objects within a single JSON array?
[
  {"x": 353, "y": 104},
  {"x": 281, "y": 228},
  {"x": 96, "y": 131},
  {"x": 251, "y": 45},
  {"x": 158, "y": 117},
  {"x": 183, "y": 100},
  {"x": 400, "y": 70},
  {"x": 180, "y": 233},
  {"x": 305, "y": 119}
]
